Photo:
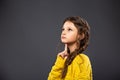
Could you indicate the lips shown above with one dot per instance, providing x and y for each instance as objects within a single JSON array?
[{"x": 63, "y": 37}]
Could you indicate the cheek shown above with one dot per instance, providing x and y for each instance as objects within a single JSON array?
[{"x": 73, "y": 37}]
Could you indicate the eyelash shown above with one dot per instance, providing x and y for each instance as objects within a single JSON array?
[
  {"x": 69, "y": 29},
  {"x": 62, "y": 29}
]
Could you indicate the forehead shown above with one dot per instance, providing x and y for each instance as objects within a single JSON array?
[{"x": 68, "y": 24}]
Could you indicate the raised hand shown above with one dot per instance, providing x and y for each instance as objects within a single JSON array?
[{"x": 64, "y": 54}]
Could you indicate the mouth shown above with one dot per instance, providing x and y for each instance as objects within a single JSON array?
[{"x": 63, "y": 37}]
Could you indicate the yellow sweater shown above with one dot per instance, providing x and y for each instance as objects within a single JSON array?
[{"x": 79, "y": 69}]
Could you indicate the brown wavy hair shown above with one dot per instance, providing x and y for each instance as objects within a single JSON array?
[{"x": 83, "y": 28}]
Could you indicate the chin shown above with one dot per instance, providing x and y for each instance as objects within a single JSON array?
[
  {"x": 67, "y": 42},
  {"x": 64, "y": 42}
]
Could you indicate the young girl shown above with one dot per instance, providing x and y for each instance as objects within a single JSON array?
[{"x": 72, "y": 64}]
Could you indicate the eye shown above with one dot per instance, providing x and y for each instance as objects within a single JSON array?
[
  {"x": 69, "y": 29},
  {"x": 62, "y": 29}
]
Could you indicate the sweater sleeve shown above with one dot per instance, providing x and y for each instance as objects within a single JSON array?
[
  {"x": 84, "y": 71},
  {"x": 56, "y": 70}
]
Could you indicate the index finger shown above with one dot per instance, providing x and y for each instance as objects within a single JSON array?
[{"x": 65, "y": 47}]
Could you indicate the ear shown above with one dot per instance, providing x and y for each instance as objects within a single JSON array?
[{"x": 81, "y": 36}]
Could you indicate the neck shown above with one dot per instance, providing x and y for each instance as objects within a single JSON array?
[{"x": 72, "y": 47}]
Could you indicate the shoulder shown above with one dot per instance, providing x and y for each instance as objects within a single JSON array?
[{"x": 82, "y": 58}]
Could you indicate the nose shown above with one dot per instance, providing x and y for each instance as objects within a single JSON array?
[{"x": 64, "y": 32}]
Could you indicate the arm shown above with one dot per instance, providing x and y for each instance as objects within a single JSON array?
[{"x": 56, "y": 70}]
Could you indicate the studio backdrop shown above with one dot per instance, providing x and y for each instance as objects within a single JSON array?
[{"x": 30, "y": 32}]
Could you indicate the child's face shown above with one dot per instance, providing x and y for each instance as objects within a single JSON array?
[{"x": 69, "y": 33}]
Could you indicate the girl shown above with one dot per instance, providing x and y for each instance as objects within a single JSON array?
[{"x": 72, "y": 64}]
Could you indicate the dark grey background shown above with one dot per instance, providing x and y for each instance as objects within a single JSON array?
[{"x": 30, "y": 32}]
